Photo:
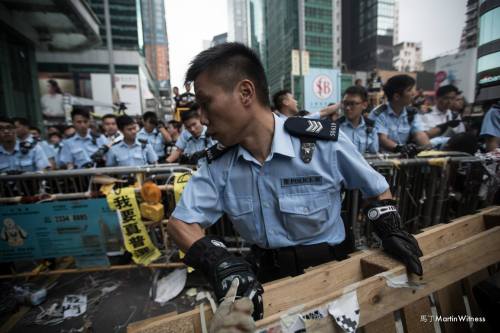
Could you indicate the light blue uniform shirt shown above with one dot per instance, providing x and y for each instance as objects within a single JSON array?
[
  {"x": 491, "y": 122},
  {"x": 190, "y": 145},
  {"x": 33, "y": 160},
  {"x": 138, "y": 154},
  {"x": 363, "y": 141},
  {"x": 77, "y": 150},
  {"x": 283, "y": 202},
  {"x": 47, "y": 149},
  {"x": 155, "y": 139},
  {"x": 397, "y": 128}
]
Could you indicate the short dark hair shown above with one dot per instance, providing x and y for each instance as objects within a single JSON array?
[
  {"x": 150, "y": 116},
  {"x": 55, "y": 134},
  {"x": 80, "y": 112},
  {"x": 109, "y": 115},
  {"x": 21, "y": 120},
  {"x": 194, "y": 107},
  {"x": 123, "y": 121},
  {"x": 443, "y": 90},
  {"x": 186, "y": 115},
  {"x": 176, "y": 124},
  {"x": 55, "y": 86},
  {"x": 33, "y": 128},
  {"x": 358, "y": 91},
  {"x": 68, "y": 127},
  {"x": 397, "y": 85},
  {"x": 6, "y": 120},
  {"x": 279, "y": 97},
  {"x": 229, "y": 63}
]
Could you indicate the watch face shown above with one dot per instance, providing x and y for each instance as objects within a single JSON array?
[{"x": 373, "y": 214}]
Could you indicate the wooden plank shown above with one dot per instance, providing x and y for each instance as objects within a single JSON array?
[
  {"x": 468, "y": 283},
  {"x": 137, "y": 326},
  {"x": 412, "y": 319},
  {"x": 441, "y": 268},
  {"x": 450, "y": 303}
]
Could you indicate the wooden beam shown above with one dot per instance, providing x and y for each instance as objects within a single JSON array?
[{"x": 441, "y": 268}]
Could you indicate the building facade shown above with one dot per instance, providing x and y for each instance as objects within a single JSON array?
[
  {"x": 471, "y": 28},
  {"x": 368, "y": 34},
  {"x": 408, "y": 57},
  {"x": 488, "y": 52}
]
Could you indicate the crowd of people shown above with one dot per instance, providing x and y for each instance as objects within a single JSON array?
[{"x": 403, "y": 124}]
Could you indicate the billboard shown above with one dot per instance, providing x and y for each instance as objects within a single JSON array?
[
  {"x": 321, "y": 87},
  {"x": 458, "y": 69},
  {"x": 127, "y": 91}
]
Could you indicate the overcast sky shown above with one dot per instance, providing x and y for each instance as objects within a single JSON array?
[{"x": 436, "y": 23}]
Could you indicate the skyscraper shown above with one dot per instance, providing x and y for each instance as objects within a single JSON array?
[
  {"x": 313, "y": 26},
  {"x": 369, "y": 32},
  {"x": 471, "y": 29},
  {"x": 156, "y": 43}
]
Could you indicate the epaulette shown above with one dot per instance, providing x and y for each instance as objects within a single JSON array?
[
  {"x": 117, "y": 142},
  {"x": 216, "y": 151},
  {"x": 26, "y": 146},
  {"x": 323, "y": 129},
  {"x": 310, "y": 130},
  {"x": 143, "y": 143},
  {"x": 380, "y": 109},
  {"x": 369, "y": 122},
  {"x": 410, "y": 113}
]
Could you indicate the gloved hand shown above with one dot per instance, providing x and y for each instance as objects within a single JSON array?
[
  {"x": 221, "y": 267},
  {"x": 98, "y": 156},
  {"x": 396, "y": 242},
  {"x": 408, "y": 150},
  {"x": 233, "y": 315},
  {"x": 451, "y": 123}
]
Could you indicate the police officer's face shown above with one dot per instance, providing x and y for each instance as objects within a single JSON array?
[
  {"x": 226, "y": 113},
  {"x": 21, "y": 130},
  {"x": 407, "y": 96},
  {"x": 81, "y": 124},
  {"x": 109, "y": 125},
  {"x": 353, "y": 106},
  {"x": 149, "y": 126},
  {"x": 194, "y": 126},
  {"x": 130, "y": 132},
  {"x": 445, "y": 102},
  {"x": 35, "y": 134},
  {"x": 7, "y": 132},
  {"x": 291, "y": 103}
]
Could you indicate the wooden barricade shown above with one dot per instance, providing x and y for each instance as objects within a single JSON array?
[{"x": 456, "y": 255}]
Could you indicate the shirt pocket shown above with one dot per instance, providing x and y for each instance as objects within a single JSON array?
[
  {"x": 4, "y": 166},
  {"x": 26, "y": 163},
  {"x": 138, "y": 158},
  {"x": 305, "y": 216},
  {"x": 79, "y": 154},
  {"x": 240, "y": 211}
]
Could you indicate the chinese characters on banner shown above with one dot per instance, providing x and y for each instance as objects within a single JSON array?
[{"x": 135, "y": 235}]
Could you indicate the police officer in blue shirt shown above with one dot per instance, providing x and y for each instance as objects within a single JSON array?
[
  {"x": 29, "y": 136},
  {"x": 399, "y": 126},
  {"x": 85, "y": 148},
  {"x": 193, "y": 141},
  {"x": 130, "y": 151},
  {"x": 279, "y": 181},
  {"x": 155, "y": 133},
  {"x": 359, "y": 130},
  {"x": 285, "y": 105},
  {"x": 490, "y": 129},
  {"x": 16, "y": 156}
]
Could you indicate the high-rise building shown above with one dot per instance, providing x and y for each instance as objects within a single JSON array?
[
  {"x": 471, "y": 29},
  {"x": 408, "y": 57},
  {"x": 369, "y": 32},
  {"x": 219, "y": 39},
  {"x": 156, "y": 43},
  {"x": 311, "y": 25},
  {"x": 238, "y": 25},
  {"x": 488, "y": 52}
]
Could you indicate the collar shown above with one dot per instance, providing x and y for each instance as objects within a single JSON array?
[
  {"x": 124, "y": 144},
  {"x": 153, "y": 132},
  {"x": 435, "y": 110},
  {"x": 361, "y": 123},
  {"x": 391, "y": 112},
  {"x": 281, "y": 115},
  {"x": 16, "y": 149},
  {"x": 29, "y": 139},
  {"x": 84, "y": 138},
  {"x": 282, "y": 142}
]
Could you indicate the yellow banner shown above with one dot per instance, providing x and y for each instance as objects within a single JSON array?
[
  {"x": 135, "y": 235},
  {"x": 180, "y": 181}
]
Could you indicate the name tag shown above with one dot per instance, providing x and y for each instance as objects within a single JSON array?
[{"x": 296, "y": 181}]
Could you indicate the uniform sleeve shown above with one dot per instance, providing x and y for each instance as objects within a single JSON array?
[
  {"x": 41, "y": 160},
  {"x": 355, "y": 171},
  {"x": 380, "y": 125},
  {"x": 111, "y": 158},
  {"x": 373, "y": 148},
  {"x": 417, "y": 125},
  {"x": 48, "y": 150},
  {"x": 181, "y": 143},
  {"x": 151, "y": 154},
  {"x": 65, "y": 156},
  {"x": 491, "y": 123},
  {"x": 200, "y": 201}
]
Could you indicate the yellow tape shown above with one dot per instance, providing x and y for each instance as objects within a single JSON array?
[
  {"x": 440, "y": 162},
  {"x": 135, "y": 235},
  {"x": 180, "y": 181},
  {"x": 428, "y": 153},
  {"x": 396, "y": 163}
]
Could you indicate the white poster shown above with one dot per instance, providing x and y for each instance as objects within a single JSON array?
[
  {"x": 458, "y": 69},
  {"x": 128, "y": 88},
  {"x": 101, "y": 92}
]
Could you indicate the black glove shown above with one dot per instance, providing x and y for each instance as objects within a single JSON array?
[
  {"x": 452, "y": 123},
  {"x": 408, "y": 150},
  {"x": 221, "y": 267},
  {"x": 398, "y": 243},
  {"x": 98, "y": 156}
]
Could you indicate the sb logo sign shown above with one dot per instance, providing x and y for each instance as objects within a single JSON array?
[{"x": 322, "y": 86}]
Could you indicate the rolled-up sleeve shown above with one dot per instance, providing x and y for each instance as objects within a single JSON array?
[
  {"x": 355, "y": 172},
  {"x": 151, "y": 154},
  {"x": 417, "y": 125},
  {"x": 41, "y": 160},
  {"x": 200, "y": 201},
  {"x": 381, "y": 125}
]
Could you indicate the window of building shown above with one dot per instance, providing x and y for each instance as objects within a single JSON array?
[
  {"x": 488, "y": 29},
  {"x": 488, "y": 62}
]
